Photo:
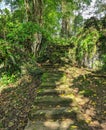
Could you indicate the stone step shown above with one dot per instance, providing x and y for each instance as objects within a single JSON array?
[
  {"x": 50, "y": 66},
  {"x": 46, "y": 85},
  {"x": 50, "y": 80},
  {"x": 55, "y": 92},
  {"x": 53, "y": 113},
  {"x": 52, "y": 75},
  {"x": 51, "y": 83},
  {"x": 51, "y": 101},
  {"x": 54, "y": 85},
  {"x": 49, "y": 124}
]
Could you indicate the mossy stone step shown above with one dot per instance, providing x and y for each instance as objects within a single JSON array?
[
  {"x": 49, "y": 124},
  {"x": 50, "y": 80},
  {"x": 51, "y": 98},
  {"x": 53, "y": 113},
  {"x": 55, "y": 92},
  {"x": 50, "y": 67},
  {"x": 54, "y": 83},
  {"x": 53, "y": 75},
  {"x": 48, "y": 92},
  {"x": 47, "y": 85},
  {"x": 51, "y": 101}
]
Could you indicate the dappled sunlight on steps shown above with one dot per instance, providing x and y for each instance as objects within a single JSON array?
[
  {"x": 63, "y": 124},
  {"x": 60, "y": 105}
]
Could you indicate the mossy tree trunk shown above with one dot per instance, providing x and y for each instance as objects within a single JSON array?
[{"x": 34, "y": 13}]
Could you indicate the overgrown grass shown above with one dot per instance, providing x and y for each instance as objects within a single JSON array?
[{"x": 7, "y": 78}]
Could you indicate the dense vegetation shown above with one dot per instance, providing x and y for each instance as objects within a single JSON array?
[
  {"x": 28, "y": 29},
  {"x": 52, "y": 32}
]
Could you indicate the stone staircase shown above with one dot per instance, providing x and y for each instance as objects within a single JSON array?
[
  {"x": 52, "y": 109},
  {"x": 61, "y": 102}
]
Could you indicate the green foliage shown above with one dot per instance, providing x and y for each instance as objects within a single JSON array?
[
  {"x": 17, "y": 32},
  {"x": 15, "y": 41},
  {"x": 20, "y": 32},
  {"x": 7, "y": 79},
  {"x": 87, "y": 92},
  {"x": 104, "y": 61},
  {"x": 89, "y": 43}
]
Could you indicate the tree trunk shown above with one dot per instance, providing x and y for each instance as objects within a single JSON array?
[
  {"x": 36, "y": 43},
  {"x": 37, "y": 18},
  {"x": 27, "y": 10},
  {"x": 34, "y": 12},
  {"x": 65, "y": 29}
]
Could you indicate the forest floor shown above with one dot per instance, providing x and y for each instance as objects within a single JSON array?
[{"x": 64, "y": 98}]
